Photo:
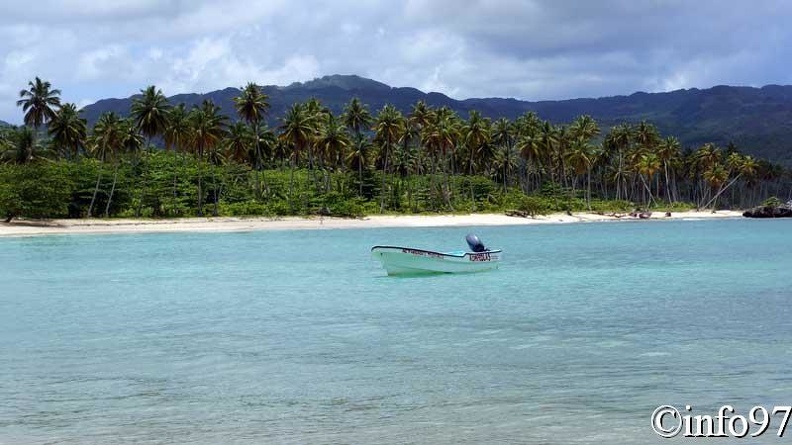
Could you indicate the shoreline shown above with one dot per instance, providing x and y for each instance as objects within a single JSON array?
[{"x": 22, "y": 228}]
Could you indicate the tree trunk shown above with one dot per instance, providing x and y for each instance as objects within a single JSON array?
[
  {"x": 657, "y": 185},
  {"x": 311, "y": 167},
  {"x": 588, "y": 189},
  {"x": 200, "y": 183},
  {"x": 264, "y": 184},
  {"x": 360, "y": 175},
  {"x": 93, "y": 197},
  {"x": 668, "y": 183},
  {"x": 112, "y": 190},
  {"x": 384, "y": 174},
  {"x": 432, "y": 186},
  {"x": 216, "y": 210},
  {"x": 505, "y": 168},
  {"x": 447, "y": 193},
  {"x": 258, "y": 161},
  {"x": 291, "y": 183},
  {"x": 143, "y": 180},
  {"x": 140, "y": 197},
  {"x": 651, "y": 200},
  {"x": 175, "y": 172},
  {"x": 723, "y": 189}
]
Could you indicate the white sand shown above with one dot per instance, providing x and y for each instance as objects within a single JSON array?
[{"x": 229, "y": 224}]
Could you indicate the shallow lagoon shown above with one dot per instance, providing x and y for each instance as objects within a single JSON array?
[{"x": 299, "y": 337}]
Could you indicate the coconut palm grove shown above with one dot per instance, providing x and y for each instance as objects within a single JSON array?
[{"x": 165, "y": 160}]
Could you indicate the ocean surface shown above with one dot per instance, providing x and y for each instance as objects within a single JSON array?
[{"x": 299, "y": 337}]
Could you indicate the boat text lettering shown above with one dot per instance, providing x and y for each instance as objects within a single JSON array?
[
  {"x": 480, "y": 256},
  {"x": 422, "y": 253}
]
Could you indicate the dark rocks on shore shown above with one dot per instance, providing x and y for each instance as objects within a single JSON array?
[
  {"x": 769, "y": 212},
  {"x": 519, "y": 213}
]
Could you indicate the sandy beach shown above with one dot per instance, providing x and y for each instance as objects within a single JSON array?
[{"x": 239, "y": 224}]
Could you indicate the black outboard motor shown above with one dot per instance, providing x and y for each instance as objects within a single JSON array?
[{"x": 475, "y": 243}]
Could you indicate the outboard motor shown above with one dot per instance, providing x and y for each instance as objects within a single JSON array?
[{"x": 475, "y": 243}]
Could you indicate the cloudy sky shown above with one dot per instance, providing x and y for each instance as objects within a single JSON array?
[{"x": 528, "y": 49}]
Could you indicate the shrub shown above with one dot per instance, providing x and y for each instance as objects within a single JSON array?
[
  {"x": 772, "y": 201},
  {"x": 535, "y": 205},
  {"x": 35, "y": 190},
  {"x": 244, "y": 208}
]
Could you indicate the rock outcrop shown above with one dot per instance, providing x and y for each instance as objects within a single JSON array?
[{"x": 769, "y": 212}]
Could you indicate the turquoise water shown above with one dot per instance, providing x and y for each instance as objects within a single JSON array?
[{"x": 299, "y": 337}]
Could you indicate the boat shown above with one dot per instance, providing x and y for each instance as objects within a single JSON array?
[{"x": 398, "y": 260}]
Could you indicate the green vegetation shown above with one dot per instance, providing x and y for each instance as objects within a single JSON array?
[{"x": 168, "y": 161}]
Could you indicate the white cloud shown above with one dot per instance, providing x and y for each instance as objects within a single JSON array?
[
  {"x": 295, "y": 68},
  {"x": 84, "y": 102},
  {"x": 530, "y": 49},
  {"x": 155, "y": 53},
  {"x": 18, "y": 59},
  {"x": 97, "y": 63}
]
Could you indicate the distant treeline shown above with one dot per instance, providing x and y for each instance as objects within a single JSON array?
[{"x": 167, "y": 160}]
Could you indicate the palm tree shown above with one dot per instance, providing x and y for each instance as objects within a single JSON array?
[
  {"x": 504, "y": 163},
  {"x": 647, "y": 166},
  {"x": 581, "y": 158},
  {"x": 68, "y": 130},
  {"x": 705, "y": 159},
  {"x": 388, "y": 128},
  {"x": 39, "y": 103},
  {"x": 525, "y": 138},
  {"x": 208, "y": 128},
  {"x": 549, "y": 151},
  {"x": 105, "y": 137},
  {"x": 646, "y": 136},
  {"x": 216, "y": 155},
  {"x": 440, "y": 135},
  {"x": 743, "y": 166},
  {"x": 177, "y": 135},
  {"x": 317, "y": 112},
  {"x": 150, "y": 112},
  {"x": 503, "y": 140},
  {"x": 267, "y": 142},
  {"x": 584, "y": 127},
  {"x": 333, "y": 141},
  {"x": 358, "y": 158},
  {"x": 237, "y": 143},
  {"x": 475, "y": 135},
  {"x": 252, "y": 105},
  {"x": 356, "y": 117},
  {"x": 716, "y": 175},
  {"x": 418, "y": 120},
  {"x": 131, "y": 144},
  {"x": 668, "y": 151},
  {"x": 21, "y": 147},
  {"x": 6, "y": 145},
  {"x": 104, "y": 144},
  {"x": 708, "y": 155},
  {"x": 177, "y": 130},
  {"x": 616, "y": 144},
  {"x": 529, "y": 149},
  {"x": 296, "y": 130}
]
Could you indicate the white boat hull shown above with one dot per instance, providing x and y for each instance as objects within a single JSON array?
[{"x": 408, "y": 261}]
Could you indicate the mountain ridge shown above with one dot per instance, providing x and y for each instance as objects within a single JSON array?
[{"x": 758, "y": 120}]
